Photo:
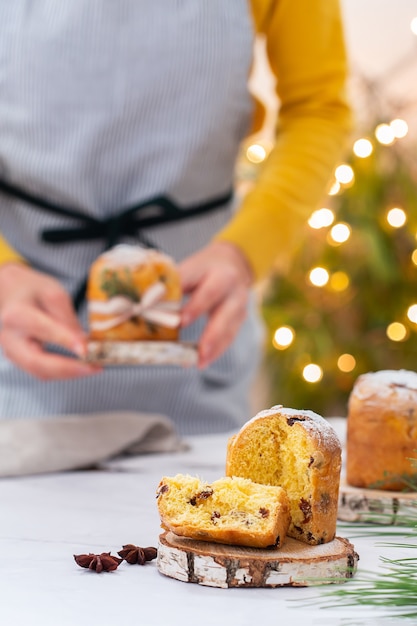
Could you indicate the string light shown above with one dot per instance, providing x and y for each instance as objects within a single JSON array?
[
  {"x": 413, "y": 26},
  {"x": 335, "y": 188},
  {"x": 397, "y": 331},
  {"x": 399, "y": 127},
  {"x": 363, "y": 148},
  {"x": 385, "y": 134},
  {"x": 321, "y": 218},
  {"x": 344, "y": 174},
  {"x": 340, "y": 233},
  {"x": 256, "y": 153},
  {"x": 319, "y": 276},
  {"x": 412, "y": 313},
  {"x": 346, "y": 362},
  {"x": 339, "y": 281},
  {"x": 312, "y": 373},
  {"x": 414, "y": 257},
  {"x": 283, "y": 337},
  {"x": 396, "y": 217}
]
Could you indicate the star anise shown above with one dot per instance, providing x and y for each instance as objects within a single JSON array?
[
  {"x": 104, "y": 562},
  {"x": 134, "y": 554}
]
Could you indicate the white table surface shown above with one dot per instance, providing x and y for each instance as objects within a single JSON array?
[{"x": 45, "y": 520}]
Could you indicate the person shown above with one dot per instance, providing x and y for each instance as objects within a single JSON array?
[{"x": 107, "y": 108}]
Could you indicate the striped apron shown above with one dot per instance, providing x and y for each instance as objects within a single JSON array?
[{"x": 104, "y": 105}]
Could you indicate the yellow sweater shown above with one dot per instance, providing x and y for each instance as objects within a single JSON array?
[{"x": 306, "y": 52}]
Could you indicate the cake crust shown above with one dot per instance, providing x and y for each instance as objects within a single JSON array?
[{"x": 382, "y": 430}]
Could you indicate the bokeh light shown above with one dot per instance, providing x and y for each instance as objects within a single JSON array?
[
  {"x": 346, "y": 362},
  {"x": 256, "y": 153},
  {"x": 396, "y": 217},
  {"x": 339, "y": 281},
  {"x": 340, "y": 232},
  {"x": 319, "y": 276},
  {"x": 321, "y": 218},
  {"x": 363, "y": 148},
  {"x": 412, "y": 313},
  {"x": 335, "y": 188},
  {"x": 344, "y": 174},
  {"x": 283, "y": 337},
  {"x": 312, "y": 373},
  {"x": 400, "y": 128},
  {"x": 385, "y": 134},
  {"x": 397, "y": 331}
]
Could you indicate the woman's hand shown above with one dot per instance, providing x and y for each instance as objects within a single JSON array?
[
  {"x": 34, "y": 310},
  {"x": 217, "y": 280}
]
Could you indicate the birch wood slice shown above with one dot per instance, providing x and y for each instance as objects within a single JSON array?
[
  {"x": 375, "y": 505},
  {"x": 142, "y": 353},
  {"x": 296, "y": 564}
]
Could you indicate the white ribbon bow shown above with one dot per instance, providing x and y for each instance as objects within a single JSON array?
[{"x": 150, "y": 308}]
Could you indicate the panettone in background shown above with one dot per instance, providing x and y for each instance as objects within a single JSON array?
[
  {"x": 382, "y": 430},
  {"x": 134, "y": 293},
  {"x": 299, "y": 451}
]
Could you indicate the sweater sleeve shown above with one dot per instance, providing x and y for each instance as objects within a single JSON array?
[
  {"x": 306, "y": 51},
  {"x": 7, "y": 253}
]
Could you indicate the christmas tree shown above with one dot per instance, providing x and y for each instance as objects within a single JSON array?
[{"x": 348, "y": 305}]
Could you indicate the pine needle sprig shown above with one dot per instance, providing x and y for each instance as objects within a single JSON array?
[
  {"x": 395, "y": 588},
  {"x": 113, "y": 284}
]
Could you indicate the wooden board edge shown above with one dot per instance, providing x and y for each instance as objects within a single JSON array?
[
  {"x": 376, "y": 506},
  {"x": 195, "y": 564}
]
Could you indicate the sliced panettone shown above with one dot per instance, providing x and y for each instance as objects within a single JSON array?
[{"x": 229, "y": 510}]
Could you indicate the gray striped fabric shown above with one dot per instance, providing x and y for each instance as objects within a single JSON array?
[{"x": 104, "y": 104}]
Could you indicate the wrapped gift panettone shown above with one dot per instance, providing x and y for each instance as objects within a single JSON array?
[
  {"x": 299, "y": 451},
  {"x": 229, "y": 510},
  {"x": 134, "y": 293},
  {"x": 382, "y": 430}
]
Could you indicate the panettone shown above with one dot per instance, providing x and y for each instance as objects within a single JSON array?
[
  {"x": 134, "y": 293},
  {"x": 382, "y": 430},
  {"x": 299, "y": 451},
  {"x": 229, "y": 510}
]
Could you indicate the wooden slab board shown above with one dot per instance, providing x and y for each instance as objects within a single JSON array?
[
  {"x": 375, "y": 506},
  {"x": 296, "y": 564},
  {"x": 142, "y": 353}
]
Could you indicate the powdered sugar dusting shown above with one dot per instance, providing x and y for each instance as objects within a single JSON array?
[
  {"x": 124, "y": 254},
  {"x": 314, "y": 424},
  {"x": 386, "y": 383}
]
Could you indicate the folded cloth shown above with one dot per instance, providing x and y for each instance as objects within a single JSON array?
[{"x": 70, "y": 442}]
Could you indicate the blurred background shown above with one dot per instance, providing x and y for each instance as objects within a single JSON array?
[{"x": 349, "y": 302}]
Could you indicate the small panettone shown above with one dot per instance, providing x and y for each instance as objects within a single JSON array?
[
  {"x": 299, "y": 451},
  {"x": 229, "y": 510},
  {"x": 382, "y": 430},
  {"x": 134, "y": 293}
]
